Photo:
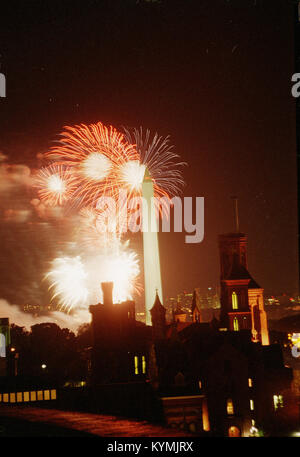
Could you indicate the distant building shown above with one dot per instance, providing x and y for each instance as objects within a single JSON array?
[
  {"x": 207, "y": 299},
  {"x": 38, "y": 310}
]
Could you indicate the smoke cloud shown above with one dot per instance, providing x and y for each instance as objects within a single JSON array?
[{"x": 18, "y": 317}]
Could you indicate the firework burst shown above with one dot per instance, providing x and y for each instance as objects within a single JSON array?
[
  {"x": 94, "y": 153},
  {"x": 91, "y": 162},
  {"x": 157, "y": 156},
  {"x": 75, "y": 281},
  {"x": 56, "y": 184},
  {"x": 68, "y": 279}
]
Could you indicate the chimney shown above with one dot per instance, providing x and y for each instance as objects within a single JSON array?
[{"x": 107, "y": 288}]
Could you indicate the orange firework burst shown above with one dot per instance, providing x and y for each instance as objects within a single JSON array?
[
  {"x": 94, "y": 153},
  {"x": 56, "y": 184}
]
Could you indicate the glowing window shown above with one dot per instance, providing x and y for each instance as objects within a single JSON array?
[
  {"x": 19, "y": 397},
  {"x": 278, "y": 401},
  {"x": 136, "y": 364},
  {"x": 53, "y": 394},
  {"x": 252, "y": 405},
  {"x": 46, "y": 395},
  {"x": 144, "y": 364},
  {"x": 235, "y": 324},
  {"x": 5, "y": 398},
  {"x": 230, "y": 408},
  {"x": 250, "y": 384},
  {"x": 0, "y": 397},
  {"x": 200, "y": 384},
  {"x": 234, "y": 300},
  {"x": 33, "y": 396},
  {"x": 40, "y": 395},
  {"x": 12, "y": 398},
  {"x": 26, "y": 396}
]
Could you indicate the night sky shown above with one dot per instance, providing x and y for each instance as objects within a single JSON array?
[{"x": 215, "y": 75}]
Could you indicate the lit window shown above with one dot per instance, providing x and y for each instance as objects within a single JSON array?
[
  {"x": 0, "y": 397},
  {"x": 136, "y": 364},
  {"x": 143, "y": 364},
  {"x": 250, "y": 384},
  {"x": 53, "y": 394},
  {"x": 235, "y": 324},
  {"x": 252, "y": 405},
  {"x": 19, "y": 397},
  {"x": 200, "y": 384},
  {"x": 32, "y": 396},
  {"x": 278, "y": 401},
  {"x": 40, "y": 395},
  {"x": 5, "y": 398},
  {"x": 230, "y": 408},
  {"x": 26, "y": 396},
  {"x": 46, "y": 395},
  {"x": 234, "y": 300},
  {"x": 12, "y": 398}
]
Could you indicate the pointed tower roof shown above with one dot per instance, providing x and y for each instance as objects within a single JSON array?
[
  {"x": 238, "y": 271},
  {"x": 157, "y": 304}
]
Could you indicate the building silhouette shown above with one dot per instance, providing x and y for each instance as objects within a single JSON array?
[
  {"x": 120, "y": 343},
  {"x": 223, "y": 376}
]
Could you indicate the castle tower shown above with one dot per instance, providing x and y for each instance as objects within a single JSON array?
[
  {"x": 242, "y": 303},
  {"x": 235, "y": 309},
  {"x": 230, "y": 245},
  {"x": 113, "y": 336}
]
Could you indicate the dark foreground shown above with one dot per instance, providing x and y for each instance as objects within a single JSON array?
[{"x": 29, "y": 421}]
